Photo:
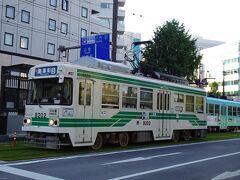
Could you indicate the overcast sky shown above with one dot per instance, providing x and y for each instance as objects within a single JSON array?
[{"x": 211, "y": 19}]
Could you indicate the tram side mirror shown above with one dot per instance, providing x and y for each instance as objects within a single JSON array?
[{"x": 60, "y": 79}]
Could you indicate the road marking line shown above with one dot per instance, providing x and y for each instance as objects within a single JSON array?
[
  {"x": 27, "y": 174},
  {"x": 227, "y": 175},
  {"x": 111, "y": 153},
  {"x": 141, "y": 158},
  {"x": 174, "y": 166}
]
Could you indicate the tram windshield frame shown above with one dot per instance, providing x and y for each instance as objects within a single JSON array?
[{"x": 48, "y": 91}]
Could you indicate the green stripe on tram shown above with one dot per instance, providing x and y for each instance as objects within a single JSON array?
[
  {"x": 119, "y": 120},
  {"x": 119, "y": 79}
]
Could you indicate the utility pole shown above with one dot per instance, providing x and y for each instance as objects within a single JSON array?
[
  {"x": 114, "y": 30},
  {"x": 223, "y": 83}
]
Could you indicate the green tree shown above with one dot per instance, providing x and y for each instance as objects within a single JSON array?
[
  {"x": 173, "y": 52},
  {"x": 214, "y": 89}
]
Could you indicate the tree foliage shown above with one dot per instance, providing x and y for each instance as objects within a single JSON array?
[
  {"x": 214, "y": 90},
  {"x": 173, "y": 52}
]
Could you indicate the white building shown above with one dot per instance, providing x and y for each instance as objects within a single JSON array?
[
  {"x": 129, "y": 38},
  {"x": 223, "y": 62},
  {"x": 32, "y": 31}
]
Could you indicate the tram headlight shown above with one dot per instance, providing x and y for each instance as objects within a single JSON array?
[
  {"x": 27, "y": 121},
  {"x": 53, "y": 122}
]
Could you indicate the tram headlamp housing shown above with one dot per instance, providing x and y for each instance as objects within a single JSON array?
[
  {"x": 27, "y": 121},
  {"x": 53, "y": 122}
]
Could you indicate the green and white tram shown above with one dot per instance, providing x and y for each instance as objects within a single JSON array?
[
  {"x": 223, "y": 114},
  {"x": 97, "y": 102}
]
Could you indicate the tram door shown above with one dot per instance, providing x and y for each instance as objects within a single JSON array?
[
  {"x": 85, "y": 110},
  {"x": 163, "y": 106},
  {"x": 224, "y": 117}
]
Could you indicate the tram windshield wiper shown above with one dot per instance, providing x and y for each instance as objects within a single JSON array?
[{"x": 38, "y": 101}]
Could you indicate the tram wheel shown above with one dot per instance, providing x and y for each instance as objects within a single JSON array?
[
  {"x": 176, "y": 136},
  {"x": 98, "y": 142},
  {"x": 186, "y": 135},
  {"x": 123, "y": 139}
]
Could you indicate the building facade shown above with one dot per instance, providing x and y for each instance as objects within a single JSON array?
[
  {"x": 222, "y": 63},
  {"x": 35, "y": 29}
]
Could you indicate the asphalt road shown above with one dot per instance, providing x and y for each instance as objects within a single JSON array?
[{"x": 200, "y": 161}]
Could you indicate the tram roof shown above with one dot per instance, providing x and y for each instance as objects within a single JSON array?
[{"x": 157, "y": 83}]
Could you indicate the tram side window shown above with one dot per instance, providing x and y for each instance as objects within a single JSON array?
[
  {"x": 216, "y": 109},
  {"x": 129, "y": 97},
  {"x": 199, "y": 104},
  {"x": 189, "y": 103},
  {"x": 223, "y": 110},
  {"x": 238, "y": 109},
  {"x": 210, "y": 109},
  {"x": 110, "y": 95},
  {"x": 82, "y": 92},
  {"x": 163, "y": 101},
  {"x": 159, "y": 101},
  {"x": 234, "y": 111},
  {"x": 230, "y": 112},
  {"x": 167, "y": 101},
  {"x": 146, "y": 98},
  {"x": 179, "y": 98}
]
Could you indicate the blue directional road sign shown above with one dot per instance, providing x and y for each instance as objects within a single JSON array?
[{"x": 97, "y": 46}]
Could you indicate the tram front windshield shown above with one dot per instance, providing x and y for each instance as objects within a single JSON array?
[{"x": 50, "y": 92}]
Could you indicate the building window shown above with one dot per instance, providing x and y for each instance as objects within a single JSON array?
[
  {"x": 51, "y": 49},
  {"x": 65, "y": 5},
  {"x": 106, "y": 5},
  {"x": 23, "y": 42},
  {"x": 53, "y": 3},
  {"x": 10, "y": 12},
  {"x": 25, "y": 16},
  {"x": 83, "y": 32},
  {"x": 84, "y": 12},
  {"x": 64, "y": 28},
  {"x": 52, "y": 24},
  {"x": 8, "y": 39}
]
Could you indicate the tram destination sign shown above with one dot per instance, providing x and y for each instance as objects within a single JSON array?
[{"x": 46, "y": 71}]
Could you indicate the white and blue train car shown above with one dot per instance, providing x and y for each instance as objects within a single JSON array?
[{"x": 222, "y": 114}]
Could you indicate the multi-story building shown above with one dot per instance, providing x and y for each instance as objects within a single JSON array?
[
  {"x": 106, "y": 16},
  {"x": 223, "y": 63},
  {"x": 35, "y": 29}
]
